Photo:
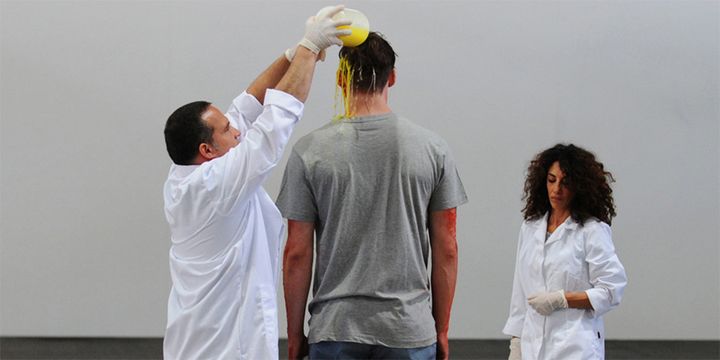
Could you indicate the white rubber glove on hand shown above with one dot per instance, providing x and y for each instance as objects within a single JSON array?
[
  {"x": 327, "y": 10},
  {"x": 515, "y": 353},
  {"x": 321, "y": 30},
  {"x": 547, "y": 302},
  {"x": 290, "y": 54}
]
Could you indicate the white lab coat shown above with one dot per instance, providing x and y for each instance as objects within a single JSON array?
[
  {"x": 574, "y": 258},
  {"x": 226, "y": 236}
]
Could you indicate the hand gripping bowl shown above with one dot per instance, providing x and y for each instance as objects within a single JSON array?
[{"x": 360, "y": 27}]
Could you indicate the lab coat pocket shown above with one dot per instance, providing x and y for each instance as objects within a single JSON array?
[
  {"x": 592, "y": 338},
  {"x": 598, "y": 345}
]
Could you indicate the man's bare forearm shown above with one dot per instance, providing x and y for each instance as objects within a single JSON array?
[
  {"x": 444, "y": 267},
  {"x": 298, "y": 78},
  {"x": 269, "y": 78},
  {"x": 297, "y": 273}
]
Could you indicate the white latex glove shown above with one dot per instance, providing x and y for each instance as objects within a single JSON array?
[
  {"x": 547, "y": 302},
  {"x": 290, "y": 54},
  {"x": 515, "y": 353},
  {"x": 321, "y": 30}
]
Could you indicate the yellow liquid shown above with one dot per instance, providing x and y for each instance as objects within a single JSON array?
[
  {"x": 357, "y": 37},
  {"x": 344, "y": 79}
]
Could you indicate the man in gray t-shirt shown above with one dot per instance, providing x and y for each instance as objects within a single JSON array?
[{"x": 380, "y": 193}]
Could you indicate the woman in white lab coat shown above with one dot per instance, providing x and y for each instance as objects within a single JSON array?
[{"x": 567, "y": 274}]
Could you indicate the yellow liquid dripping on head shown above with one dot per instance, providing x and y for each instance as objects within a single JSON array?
[
  {"x": 357, "y": 37},
  {"x": 344, "y": 78}
]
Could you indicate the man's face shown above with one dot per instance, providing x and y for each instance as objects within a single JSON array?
[{"x": 224, "y": 136}]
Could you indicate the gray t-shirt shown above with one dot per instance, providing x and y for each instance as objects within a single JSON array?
[{"x": 368, "y": 185}]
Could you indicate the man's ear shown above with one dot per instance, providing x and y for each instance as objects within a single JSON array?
[
  {"x": 206, "y": 151},
  {"x": 391, "y": 78}
]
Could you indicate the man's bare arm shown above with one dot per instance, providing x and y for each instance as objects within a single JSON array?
[
  {"x": 269, "y": 78},
  {"x": 297, "y": 272},
  {"x": 444, "y": 273}
]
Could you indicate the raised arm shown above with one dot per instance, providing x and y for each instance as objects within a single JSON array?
[
  {"x": 297, "y": 272},
  {"x": 298, "y": 78},
  {"x": 291, "y": 72},
  {"x": 244, "y": 168},
  {"x": 444, "y": 273},
  {"x": 245, "y": 109},
  {"x": 321, "y": 32},
  {"x": 269, "y": 78}
]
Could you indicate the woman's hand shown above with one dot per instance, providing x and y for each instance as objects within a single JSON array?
[{"x": 547, "y": 302}]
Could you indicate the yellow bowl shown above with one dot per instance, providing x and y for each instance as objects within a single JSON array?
[{"x": 360, "y": 27}]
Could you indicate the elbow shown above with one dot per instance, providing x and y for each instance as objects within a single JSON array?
[
  {"x": 448, "y": 253},
  {"x": 294, "y": 257},
  {"x": 451, "y": 255},
  {"x": 603, "y": 299},
  {"x": 613, "y": 290},
  {"x": 615, "y": 296},
  {"x": 446, "y": 257},
  {"x": 299, "y": 246}
]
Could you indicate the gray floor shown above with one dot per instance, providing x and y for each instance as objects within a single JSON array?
[{"x": 129, "y": 348}]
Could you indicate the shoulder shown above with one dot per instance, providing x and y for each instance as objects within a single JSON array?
[
  {"x": 595, "y": 226},
  {"x": 418, "y": 135},
  {"x": 531, "y": 226},
  {"x": 313, "y": 138},
  {"x": 535, "y": 223},
  {"x": 418, "y": 130},
  {"x": 596, "y": 234},
  {"x": 186, "y": 182}
]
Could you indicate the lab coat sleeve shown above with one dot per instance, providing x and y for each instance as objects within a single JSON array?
[
  {"x": 518, "y": 300},
  {"x": 243, "y": 111},
  {"x": 245, "y": 167},
  {"x": 607, "y": 274}
]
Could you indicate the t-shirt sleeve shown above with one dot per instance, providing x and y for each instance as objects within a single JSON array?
[
  {"x": 449, "y": 191},
  {"x": 296, "y": 200}
]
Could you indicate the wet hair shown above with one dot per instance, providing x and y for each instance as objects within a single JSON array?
[
  {"x": 185, "y": 130},
  {"x": 586, "y": 179},
  {"x": 370, "y": 62}
]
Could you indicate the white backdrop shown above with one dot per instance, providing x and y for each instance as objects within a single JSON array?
[{"x": 87, "y": 86}]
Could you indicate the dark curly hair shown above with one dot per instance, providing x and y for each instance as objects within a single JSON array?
[{"x": 587, "y": 180}]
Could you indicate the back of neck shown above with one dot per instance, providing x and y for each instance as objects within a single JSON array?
[{"x": 370, "y": 104}]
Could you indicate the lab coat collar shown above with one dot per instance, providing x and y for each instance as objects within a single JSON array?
[
  {"x": 541, "y": 228},
  {"x": 183, "y": 170},
  {"x": 570, "y": 223}
]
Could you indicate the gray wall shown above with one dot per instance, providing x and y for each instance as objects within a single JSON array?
[{"x": 87, "y": 86}]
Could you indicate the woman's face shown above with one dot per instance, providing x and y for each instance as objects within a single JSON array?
[{"x": 557, "y": 188}]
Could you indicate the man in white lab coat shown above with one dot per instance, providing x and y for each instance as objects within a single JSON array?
[{"x": 225, "y": 229}]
